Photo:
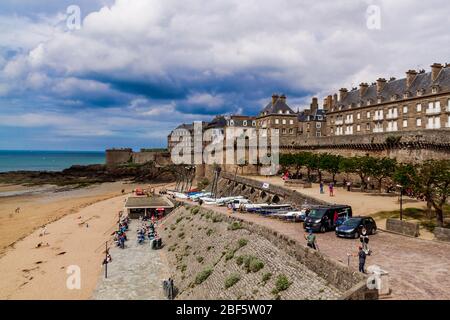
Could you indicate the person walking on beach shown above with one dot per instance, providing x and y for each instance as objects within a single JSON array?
[
  {"x": 321, "y": 187},
  {"x": 17, "y": 210},
  {"x": 311, "y": 240}
]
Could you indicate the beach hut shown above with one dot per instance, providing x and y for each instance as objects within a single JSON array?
[{"x": 147, "y": 207}]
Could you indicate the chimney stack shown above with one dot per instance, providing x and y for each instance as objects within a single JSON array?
[
  {"x": 363, "y": 88},
  {"x": 314, "y": 105},
  {"x": 274, "y": 98},
  {"x": 283, "y": 98},
  {"x": 328, "y": 102},
  {"x": 342, "y": 93},
  {"x": 435, "y": 70},
  {"x": 380, "y": 85},
  {"x": 410, "y": 76}
]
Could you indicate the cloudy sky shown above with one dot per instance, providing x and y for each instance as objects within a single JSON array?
[{"x": 133, "y": 69}]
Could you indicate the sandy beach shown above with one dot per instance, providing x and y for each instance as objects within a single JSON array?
[{"x": 78, "y": 223}]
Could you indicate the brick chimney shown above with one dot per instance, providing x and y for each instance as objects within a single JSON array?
[
  {"x": 328, "y": 103},
  {"x": 410, "y": 76},
  {"x": 342, "y": 93},
  {"x": 363, "y": 88},
  {"x": 283, "y": 98},
  {"x": 435, "y": 70},
  {"x": 314, "y": 105},
  {"x": 380, "y": 85},
  {"x": 274, "y": 98}
]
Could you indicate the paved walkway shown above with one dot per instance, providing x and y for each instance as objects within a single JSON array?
[
  {"x": 136, "y": 272},
  {"x": 418, "y": 269},
  {"x": 362, "y": 203}
]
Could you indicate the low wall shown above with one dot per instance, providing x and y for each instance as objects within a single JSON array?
[
  {"x": 231, "y": 184},
  {"x": 352, "y": 283},
  {"x": 403, "y": 227},
  {"x": 442, "y": 234}
]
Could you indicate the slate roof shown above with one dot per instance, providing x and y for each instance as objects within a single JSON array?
[
  {"x": 306, "y": 115},
  {"x": 148, "y": 202},
  {"x": 398, "y": 87},
  {"x": 280, "y": 104}
]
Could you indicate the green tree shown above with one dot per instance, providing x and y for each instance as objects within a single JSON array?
[
  {"x": 381, "y": 169},
  {"x": 331, "y": 164}
]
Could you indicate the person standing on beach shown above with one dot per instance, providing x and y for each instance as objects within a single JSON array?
[{"x": 321, "y": 187}]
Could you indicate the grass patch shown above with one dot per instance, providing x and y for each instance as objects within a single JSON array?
[
  {"x": 235, "y": 225},
  {"x": 417, "y": 214},
  {"x": 200, "y": 259},
  {"x": 229, "y": 255},
  {"x": 250, "y": 263},
  {"x": 242, "y": 243},
  {"x": 202, "y": 276},
  {"x": 173, "y": 227},
  {"x": 281, "y": 284},
  {"x": 217, "y": 218},
  {"x": 209, "y": 232},
  {"x": 266, "y": 277},
  {"x": 232, "y": 280},
  {"x": 195, "y": 210},
  {"x": 179, "y": 220},
  {"x": 181, "y": 235}
]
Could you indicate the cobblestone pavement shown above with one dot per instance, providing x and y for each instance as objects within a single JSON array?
[
  {"x": 418, "y": 269},
  {"x": 136, "y": 272}
]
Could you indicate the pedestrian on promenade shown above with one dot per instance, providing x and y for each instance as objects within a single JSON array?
[
  {"x": 331, "y": 189},
  {"x": 362, "y": 259},
  {"x": 321, "y": 187},
  {"x": 311, "y": 240},
  {"x": 349, "y": 185}
]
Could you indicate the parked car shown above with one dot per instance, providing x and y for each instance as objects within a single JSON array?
[
  {"x": 352, "y": 227},
  {"x": 325, "y": 218}
]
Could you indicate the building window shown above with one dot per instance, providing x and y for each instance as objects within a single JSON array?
[
  {"x": 405, "y": 123},
  {"x": 287, "y": 112},
  {"x": 318, "y": 134},
  {"x": 291, "y": 131},
  {"x": 368, "y": 114},
  {"x": 418, "y": 122},
  {"x": 291, "y": 121},
  {"x": 253, "y": 123},
  {"x": 280, "y": 112},
  {"x": 283, "y": 121},
  {"x": 358, "y": 127},
  {"x": 283, "y": 131},
  {"x": 231, "y": 122},
  {"x": 319, "y": 118},
  {"x": 358, "y": 116},
  {"x": 405, "y": 109},
  {"x": 245, "y": 123},
  {"x": 318, "y": 125},
  {"x": 277, "y": 121},
  {"x": 419, "y": 107},
  {"x": 368, "y": 127}
]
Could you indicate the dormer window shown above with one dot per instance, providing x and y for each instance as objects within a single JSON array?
[
  {"x": 231, "y": 122},
  {"x": 253, "y": 123},
  {"x": 287, "y": 112},
  {"x": 406, "y": 95},
  {"x": 435, "y": 89},
  {"x": 280, "y": 112},
  {"x": 369, "y": 102},
  {"x": 245, "y": 123},
  {"x": 419, "y": 92},
  {"x": 379, "y": 100}
]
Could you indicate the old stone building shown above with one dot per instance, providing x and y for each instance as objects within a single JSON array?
[
  {"x": 312, "y": 121},
  {"x": 419, "y": 101},
  {"x": 278, "y": 116}
]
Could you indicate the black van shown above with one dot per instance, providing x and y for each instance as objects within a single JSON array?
[{"x": 325, "y": 218}]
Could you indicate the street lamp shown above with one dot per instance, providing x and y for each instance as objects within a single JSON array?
[{"x": 401, "y": 200}]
